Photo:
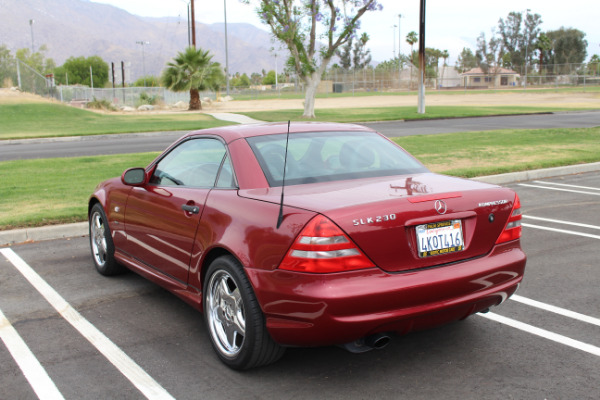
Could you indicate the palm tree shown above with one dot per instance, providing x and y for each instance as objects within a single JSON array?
[
  {"x": 193, "y": 70},
  {"x": 411, "y": 39},
  {"x": 445, "y": 56},
  {"x": 543, "y": 44}
]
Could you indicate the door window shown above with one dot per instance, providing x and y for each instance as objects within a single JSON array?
[{"x": 194, "y": 163}]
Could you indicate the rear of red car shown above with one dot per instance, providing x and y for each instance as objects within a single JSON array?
[{"x": 390, "y": 254}]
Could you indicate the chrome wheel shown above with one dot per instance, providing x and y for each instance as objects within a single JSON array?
[
  {"x": 98, "y": 239},
  {"x": 101, "y": 244},
  {"x": 225, "y": 314}
]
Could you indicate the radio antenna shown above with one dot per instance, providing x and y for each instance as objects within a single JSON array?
[{"x": 287, "y": 140}]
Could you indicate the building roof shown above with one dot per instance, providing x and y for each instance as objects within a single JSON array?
[{"x": 495, "y": 71}]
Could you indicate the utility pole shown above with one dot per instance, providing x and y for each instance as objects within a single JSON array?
[
  {"x": 193, "y": 25},
  {"x": 421, "y": 109},
  {"x": 226, "y": 49}
]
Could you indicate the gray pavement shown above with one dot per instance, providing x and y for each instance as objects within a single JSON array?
[
  {"x": 158, "y": 141},
  {"x": 8, "y": 238}
]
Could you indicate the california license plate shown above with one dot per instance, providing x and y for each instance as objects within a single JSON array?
[{"x": 439, "y": 238}]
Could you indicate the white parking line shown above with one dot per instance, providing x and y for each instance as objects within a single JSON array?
[
  {"x": 558, "y": 221},
  {"x": 133, "y": 372},
  {"x": 555, "y": 337},
  {"x": 559, "y": 189},
  {"x": 545, "y": 228},
  {"x": 35, "y": 374},
  {"x": 566, "y": 185},
  {"x": 557, "y": 310}
]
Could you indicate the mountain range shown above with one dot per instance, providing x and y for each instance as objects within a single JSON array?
[{"x": 83, "y": 28}]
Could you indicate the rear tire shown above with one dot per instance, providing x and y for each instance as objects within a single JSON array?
[
  {"x": 234, "y": 319},
  {"x": 101, "y": 244}
]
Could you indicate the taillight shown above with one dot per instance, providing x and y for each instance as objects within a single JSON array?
[
  {"x": 323, "y": 247},
  {"x": 512, "y": 230}
]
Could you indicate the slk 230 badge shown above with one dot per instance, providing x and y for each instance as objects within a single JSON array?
[{"x": 374, "y": 220}]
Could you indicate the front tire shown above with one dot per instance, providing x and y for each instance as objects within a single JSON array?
[
  {"x": 101, "y": 244},
  {"x": 234, "y": 319}
]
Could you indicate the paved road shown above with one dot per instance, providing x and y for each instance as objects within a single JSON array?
[
  {"x": 134, "y": 143},
  {"x": 542, "y": 344},
  {"x": 586, "y": 119}
]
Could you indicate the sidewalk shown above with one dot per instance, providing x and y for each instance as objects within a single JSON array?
[{"x": 8, "y": 238}]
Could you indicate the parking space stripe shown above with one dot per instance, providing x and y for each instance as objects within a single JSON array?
[
  {"x": 566, "y": 185},
  {"x": 558, "y": 221},
  {"x": 35, "y": 374},
  {"x": 557, "y": 310},
  {"x": 555, "y": 337},
  {"x": 545, "y": 228},
  {"x": 133, "y": 372},
  {"x": 558, "y": 189}
]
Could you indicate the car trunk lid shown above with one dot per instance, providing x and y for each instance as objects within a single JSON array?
[{"x": 387, "y": 218}]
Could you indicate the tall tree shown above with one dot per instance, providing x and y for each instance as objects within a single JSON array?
[
  {"x": 569, "y": 46},
  {"x": 543, "y": 45},
  {"x": 298, "y": 23},
  {"x": 531, "y": 33},
  {"x": 37, "y": 60},
  {"x": 466, "y": 60},
  {"x": 345, "y": 55},
  {"x": 192, "y": 70},
  {"x": 361, "y": 56},
  {"x": 8, "y": 70},
  {"x": 518, "y": 35},
  {"x": 78, "y": 70},
  {"x": 412, "y": 38},
  {"x": 445, "y": 56}
]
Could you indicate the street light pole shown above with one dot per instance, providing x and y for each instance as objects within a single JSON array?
[
  {"x": 31, "y": 21},
  {"x": 399, "y": 53},
  {"x": 399, "y": 36},
  {"x": 143, "y": 43},
  {"x": 526, "y": 46},
  {"x": 394, "y": 36}
]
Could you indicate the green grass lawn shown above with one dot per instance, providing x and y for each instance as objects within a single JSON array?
[
  {"x": 41, "y": 192},
  {"x": 34, "y": 120},
  {"x": 396, "y": 113}
]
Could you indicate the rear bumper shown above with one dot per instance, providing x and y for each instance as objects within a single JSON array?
[{"x": 323, "y": 309}]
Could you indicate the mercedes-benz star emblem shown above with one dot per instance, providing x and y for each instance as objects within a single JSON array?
[{"x": 440, "y": 207}]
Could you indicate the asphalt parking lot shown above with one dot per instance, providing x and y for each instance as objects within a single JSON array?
[{"x": 69, "y": 332}]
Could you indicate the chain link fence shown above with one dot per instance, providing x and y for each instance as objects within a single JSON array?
[{"x": 405, "y": 79}]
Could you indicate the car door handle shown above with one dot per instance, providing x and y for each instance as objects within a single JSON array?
[{"x": 190, "y": 209}]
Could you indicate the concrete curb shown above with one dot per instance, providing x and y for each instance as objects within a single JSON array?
[
  {"x": 50, "y": 232},
  {"x": 8, "y": 238},
  {"x": 512, "y": 177}
]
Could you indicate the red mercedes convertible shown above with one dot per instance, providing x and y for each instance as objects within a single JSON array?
[{"x": 308, "y": 234}]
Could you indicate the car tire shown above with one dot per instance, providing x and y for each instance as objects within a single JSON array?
[
  {"x": 101, "y": 244},
  {"x": 234, "y": 319}
]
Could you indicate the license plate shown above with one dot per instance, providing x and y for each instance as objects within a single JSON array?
[{"x": 440, "y": 238}]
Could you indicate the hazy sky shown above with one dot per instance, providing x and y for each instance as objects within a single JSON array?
[{"x": 451, "y": 25}]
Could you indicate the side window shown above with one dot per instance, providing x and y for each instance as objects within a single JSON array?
[
  {"x": 226, "y": 178},
  {"x": 193, "y": 163}
]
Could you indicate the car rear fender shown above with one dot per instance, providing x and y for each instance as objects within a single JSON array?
[{"x": 249, "y": 235}]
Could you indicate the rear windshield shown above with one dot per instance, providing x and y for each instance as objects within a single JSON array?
[{"x": 330, "y": 156}]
